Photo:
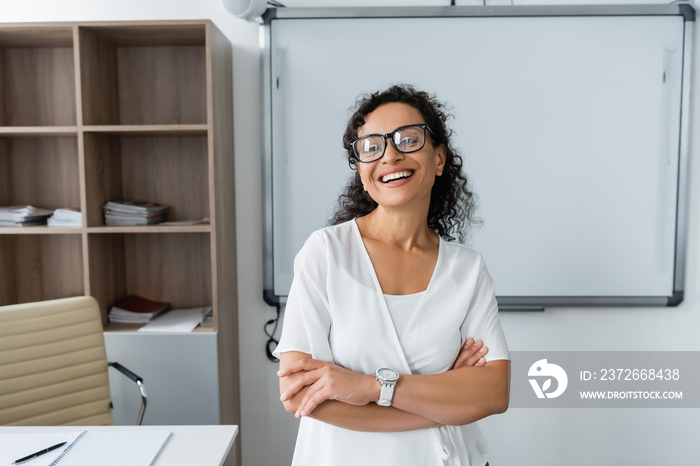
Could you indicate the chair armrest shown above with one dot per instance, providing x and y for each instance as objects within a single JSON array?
[
  {"x": 139, "y": 382},
  {"x": 126, "y": 372}
]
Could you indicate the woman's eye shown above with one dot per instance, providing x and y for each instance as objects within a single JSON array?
[
  {"x": 369, "y": 146},
  {"x": 407, "y": 142}
]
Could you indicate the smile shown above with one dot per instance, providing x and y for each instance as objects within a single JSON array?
[{"x": 397, "y": 176}]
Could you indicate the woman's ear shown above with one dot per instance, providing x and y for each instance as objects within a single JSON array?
[{"x": 441, "y": 159}]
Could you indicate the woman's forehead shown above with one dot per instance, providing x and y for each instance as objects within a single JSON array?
[{"x": 388, "y": 117}]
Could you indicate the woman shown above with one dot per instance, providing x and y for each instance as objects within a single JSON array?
[{"x": 382, "y": 303}]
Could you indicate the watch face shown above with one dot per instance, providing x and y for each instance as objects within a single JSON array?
[{"x": 388, "y": 374}]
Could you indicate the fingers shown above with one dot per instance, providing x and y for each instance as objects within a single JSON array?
[
  {"x": 332, "y": 382},
  {"x": 308, "y": 378},
  {"x": 314, "y": 396},
  {"x": 469, "y": 348},
  {"x": 304, "y": 364},
  {"x": 480, "y": 354},
  {"x": 471, "y": 354}
]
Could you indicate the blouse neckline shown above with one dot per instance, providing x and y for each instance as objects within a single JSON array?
[
  {"x": 356, "y": 228},
  {"x": 404, "y": 296},
  {"x": 385, "y": 308}
]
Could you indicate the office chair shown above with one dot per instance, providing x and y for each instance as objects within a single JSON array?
[{"x": 53, "y": 365}]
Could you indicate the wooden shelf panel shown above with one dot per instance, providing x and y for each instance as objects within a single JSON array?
[
  {"x": 36, "y": 35},
  {"x": 152, "y": 229},
  {"x": 149, "y": 130},
  {"x": 47, "y": 230},
  {"x": 38, "y": 131},
  {"x": 40, "y": 230}
]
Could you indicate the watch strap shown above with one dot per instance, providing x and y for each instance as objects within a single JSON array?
[{"x": 386, "y": 394}]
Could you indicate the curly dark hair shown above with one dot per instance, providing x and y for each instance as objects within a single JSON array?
[{"x": 452, "y": 204}]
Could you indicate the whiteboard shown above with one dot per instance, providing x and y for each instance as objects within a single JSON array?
[{"x": 570, "y": 126}]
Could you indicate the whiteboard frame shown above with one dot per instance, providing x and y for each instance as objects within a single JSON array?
[{"x": 519, "y": 303}]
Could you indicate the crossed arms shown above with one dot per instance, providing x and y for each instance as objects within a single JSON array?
[{"x": 471, "y": 390}]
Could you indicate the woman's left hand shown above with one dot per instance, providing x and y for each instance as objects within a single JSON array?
[
  {"x": 471, "y": 354},
  {"x": 327, "y": 381}
]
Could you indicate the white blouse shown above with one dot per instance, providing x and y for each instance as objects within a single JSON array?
[
  {"x": 336, "y": 311},
  {"x": 402, "y": 308}
]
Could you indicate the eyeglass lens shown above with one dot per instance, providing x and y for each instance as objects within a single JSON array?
[{"x": 405, "y": 140}]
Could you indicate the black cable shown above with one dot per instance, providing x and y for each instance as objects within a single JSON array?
[{"x": 272, "y": 342}]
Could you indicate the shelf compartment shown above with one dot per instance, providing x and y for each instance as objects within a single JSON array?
[
  {"x": 42, "y": 171},
  {"x": 37, "y": 76},
  {"x": 134, "y": 75},
  {"x": 40, "y": 267},
  {"x": 170, "y": 170},
  {"x": 175, "y": 268}
]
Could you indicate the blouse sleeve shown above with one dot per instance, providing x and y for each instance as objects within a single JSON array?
[
  {"x": 482, "y": 321},
  {"x": 307, "y": 320}
]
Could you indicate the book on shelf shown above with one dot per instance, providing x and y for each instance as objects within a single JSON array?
[
  {"x": 68, "y": 217},
  {"x": 128, "y": 212},
  {"x": 28, "y": 215},
  {"x": 136, "y": 310}
]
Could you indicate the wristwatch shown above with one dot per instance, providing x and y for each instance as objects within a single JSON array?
[{"x": 388, "y": 378}]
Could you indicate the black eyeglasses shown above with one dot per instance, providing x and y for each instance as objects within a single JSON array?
[{"x": 406, "y": 139}]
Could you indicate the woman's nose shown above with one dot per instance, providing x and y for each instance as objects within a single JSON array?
[{"x": 391, "y": 155}]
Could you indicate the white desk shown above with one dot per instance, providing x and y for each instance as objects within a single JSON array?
[{"x": 187, "y": 445}]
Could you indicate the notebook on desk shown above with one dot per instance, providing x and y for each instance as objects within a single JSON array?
[{"x": 120, "y": 448}]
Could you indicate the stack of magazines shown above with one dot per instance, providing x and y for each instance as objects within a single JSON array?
[
  {"x": 18, "y": 216},
  {"x": 124, "y": 213},
  {"x": 66, "y": 218},
  {"x": 136, "y": 310}
]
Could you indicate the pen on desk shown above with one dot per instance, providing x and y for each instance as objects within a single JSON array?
[{"x": 38, "y": 453}]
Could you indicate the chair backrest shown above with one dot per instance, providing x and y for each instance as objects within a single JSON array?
[{"x": 53, "y": 365}]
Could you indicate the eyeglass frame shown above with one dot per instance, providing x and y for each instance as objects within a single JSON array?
[{"x": 423, "y": 126}]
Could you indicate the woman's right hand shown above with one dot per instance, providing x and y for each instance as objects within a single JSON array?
[{"x": 471, "y": 354}]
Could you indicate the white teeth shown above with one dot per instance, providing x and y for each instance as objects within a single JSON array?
[{"x": 396, "y": 175}]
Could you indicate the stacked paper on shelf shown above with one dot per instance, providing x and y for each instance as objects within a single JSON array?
[
  {"x": 182, "y": 223},
  {"x": 123, "y": 213},
  {"x": 18, "y": 216},
  {"x": 70, "y": 217},
  {"x": 136, "y": 310},
  {"x": 178, "y": 320}
]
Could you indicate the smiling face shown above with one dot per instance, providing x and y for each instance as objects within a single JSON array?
[{"x": 400, "y": 180}]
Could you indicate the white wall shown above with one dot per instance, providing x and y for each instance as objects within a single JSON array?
[{"x": 520, "y": 437}]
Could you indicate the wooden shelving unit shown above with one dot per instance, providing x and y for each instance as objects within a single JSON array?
[{"x": 93, "y": 112}]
